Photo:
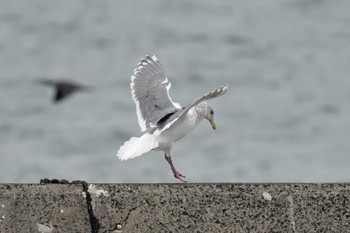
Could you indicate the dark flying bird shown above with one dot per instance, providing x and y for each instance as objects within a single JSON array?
[
  {"x": 64, "y": 88},
  {"x": 162, "y": 121}
]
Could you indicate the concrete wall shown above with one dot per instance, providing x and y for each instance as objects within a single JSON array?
[{"x": 217, "y": 207}]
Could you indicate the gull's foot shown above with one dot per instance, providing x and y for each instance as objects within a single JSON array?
[{"x": 179, "y": 176}]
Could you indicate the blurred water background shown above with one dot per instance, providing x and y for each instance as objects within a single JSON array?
[{"x": 285, "y": 117}]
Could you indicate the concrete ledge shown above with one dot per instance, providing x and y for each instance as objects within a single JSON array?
[{"x": 217, "y": 207}]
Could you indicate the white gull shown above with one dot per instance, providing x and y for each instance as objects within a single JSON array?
[{"x": 162, "y": 121}]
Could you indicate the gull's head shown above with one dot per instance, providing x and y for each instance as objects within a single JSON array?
[{"x": 207, "y": 112}]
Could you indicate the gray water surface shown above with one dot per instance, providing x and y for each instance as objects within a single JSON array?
[{"x": 284, "y": 118}]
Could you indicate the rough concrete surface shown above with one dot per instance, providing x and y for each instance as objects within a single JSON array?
[
  {"x": 217, "y": 207},
  {"x": 43, "y": 208}
]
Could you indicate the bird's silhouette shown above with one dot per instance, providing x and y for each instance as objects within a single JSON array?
[{"x": 64, "y": 88}]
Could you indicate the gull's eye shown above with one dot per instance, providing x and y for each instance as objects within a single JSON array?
[{"x": 211, "y": 112}]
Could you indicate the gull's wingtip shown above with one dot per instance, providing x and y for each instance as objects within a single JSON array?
[
  {"x": 151, "y": 57},
  {"x": 154, "y": 58},
  {"x": 221, "y": 90},
  {"x": 224, "y": 88}
]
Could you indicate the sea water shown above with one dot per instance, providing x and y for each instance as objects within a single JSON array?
[{"x": 284, "y": 118}]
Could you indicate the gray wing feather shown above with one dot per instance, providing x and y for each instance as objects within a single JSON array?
[
  {"x": 182, "y": 114},
  {"x": 150, "y": 91}
]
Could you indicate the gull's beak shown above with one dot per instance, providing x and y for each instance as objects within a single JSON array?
[{"x": 213, "y": 125}]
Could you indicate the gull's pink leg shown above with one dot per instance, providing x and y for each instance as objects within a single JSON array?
[{"x": 177, "y": 174}]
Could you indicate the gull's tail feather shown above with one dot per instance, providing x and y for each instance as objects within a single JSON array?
[{"x": 137, "y": 146}]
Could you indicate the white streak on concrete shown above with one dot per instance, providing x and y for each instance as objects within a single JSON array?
[
  {"x": 97, "y": 192},
  {"x": 267, "y": 196},
  {"x": 44, "y": 229},
  {"x": 291, "y": 212},
  {"x": 119, "y": 229}
]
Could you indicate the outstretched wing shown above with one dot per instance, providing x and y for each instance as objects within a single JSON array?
[
  {"x": 182, "y": 114},
  {"x": 150, "y": 91}
]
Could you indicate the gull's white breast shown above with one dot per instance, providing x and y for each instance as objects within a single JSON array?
[{"x": 169, "y": 136}]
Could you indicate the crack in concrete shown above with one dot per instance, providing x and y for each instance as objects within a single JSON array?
[
  {"x": 129, "y": 212},
  {"x": 94, "y": 222},
  {"x": 118, "y": 226}
]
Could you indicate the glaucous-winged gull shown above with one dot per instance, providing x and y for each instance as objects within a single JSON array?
[{"x": 162, "y": 121}]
